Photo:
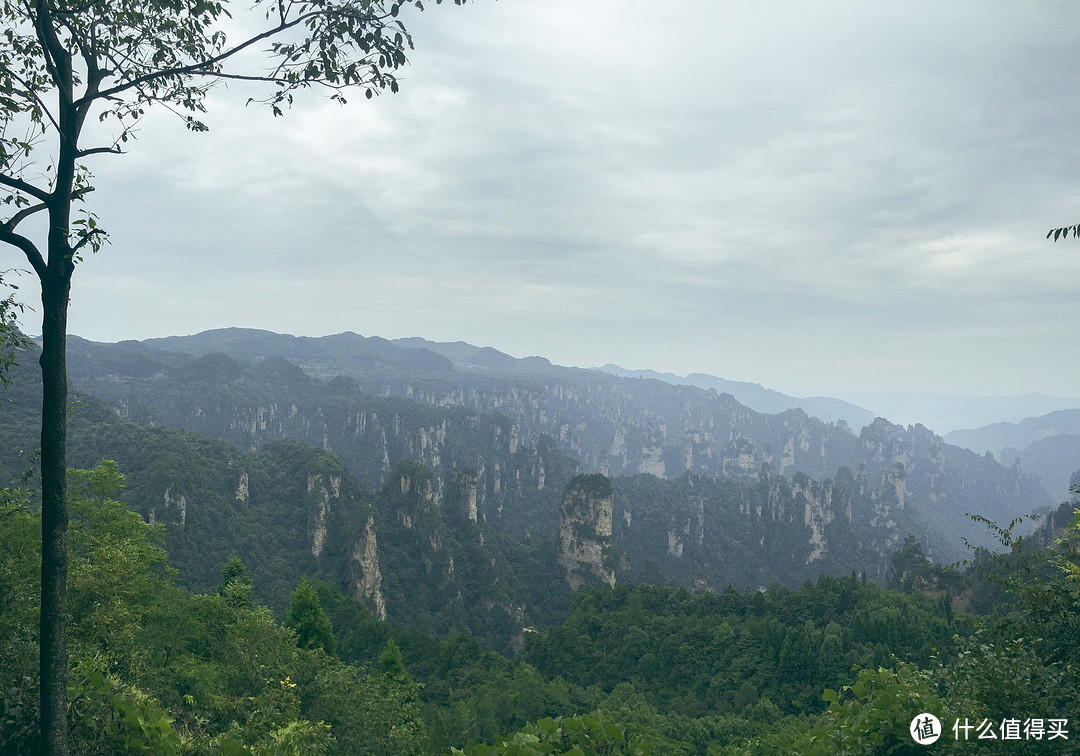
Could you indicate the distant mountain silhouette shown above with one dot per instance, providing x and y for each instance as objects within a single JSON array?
[{"x": 758, "y": 398}]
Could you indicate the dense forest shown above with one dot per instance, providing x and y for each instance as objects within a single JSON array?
[
  {"x": 282, "y": 599},
  {"x": 839, "y": 666},
  {"x": 448, "y": 543}
]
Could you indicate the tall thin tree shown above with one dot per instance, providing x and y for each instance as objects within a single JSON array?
[{"x": 65, "y": 61}]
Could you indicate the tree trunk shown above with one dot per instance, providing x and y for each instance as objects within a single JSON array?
[
  {"x": 54, "y": 516},
  {"x": 55, "y": 288}
]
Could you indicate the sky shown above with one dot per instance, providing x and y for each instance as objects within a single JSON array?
[{"x": 821, "y": 198}]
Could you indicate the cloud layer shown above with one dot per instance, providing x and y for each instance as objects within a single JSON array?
[{"x": 819, "y": 197}]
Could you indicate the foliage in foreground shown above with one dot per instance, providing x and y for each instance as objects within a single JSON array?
[
  {"x": 587, "y": 735},
  {"x": 1021, "y": 663},
  {"x": 158, "y": 670}
]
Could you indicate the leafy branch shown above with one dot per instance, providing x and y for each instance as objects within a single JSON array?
[{"x": 1063, "y": 232}]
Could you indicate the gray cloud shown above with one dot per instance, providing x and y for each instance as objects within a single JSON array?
[{"x": 819, "y": 197}]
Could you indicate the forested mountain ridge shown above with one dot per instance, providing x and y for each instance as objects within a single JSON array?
[
  {"x": 445, "y": 544},
  {"x": 423, "y": 548},
  {"x": 612, "y": 425},
  {"x": 290, "y": 510}
]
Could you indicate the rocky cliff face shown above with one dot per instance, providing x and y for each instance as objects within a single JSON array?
[
  {"x": 485, "y": 420},
  {"x": 366, "y": 576},
  {"x": 444, "y": 565},
  {"x": 625, "y": 427},
  {"x": 503, "y": 447},
  {"x": 620, "y": 426},
  {"x": 493, "y": 545},
  {"x": 461, "y": 491},
  {"x": 704, "y": 532},
  {"x": 219, "y": 397},
  {"x": 319, "y": 495},
  {"x": 585, "y": 532}
]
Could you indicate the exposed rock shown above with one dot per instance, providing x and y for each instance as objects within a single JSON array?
[
  {"x": 317, "y": 518},
  {"x": 817, "y": 513},
  {"x": 463, "y": 490},
  {"x": 674, "y": 544},
  {"x": 618, "y": 444},
  {"x": 652, "y": 461},
  {"x": 368, "y": 586},
  {"x": 422, "y": 487},
  {"x": 585, "y": 531},
  {"x": 181, "y": 506}
]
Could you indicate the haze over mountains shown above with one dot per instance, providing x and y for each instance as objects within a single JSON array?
[
  {"x": 757, "y": 397},
  {"x": 611, "y": 424},
  {"x": 448, "y": 485},
  {"x": 950, "y": 412},
  {"x": 1047, "y": 446},
  {"x": 942, "y": 413},
  {"x": 995, "y": 437},
  {"x": 431, "y": 372}
]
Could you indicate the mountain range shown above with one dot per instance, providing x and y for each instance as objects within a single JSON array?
[
  {"x": 612, "y": 425},
  {"x": 761, "y": 399},
  {"x": 451, "y": 485},
  {"x": 1046, "y": 446}
]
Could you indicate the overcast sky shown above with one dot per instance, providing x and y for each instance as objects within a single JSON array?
[{"x": 821, "y": 198}]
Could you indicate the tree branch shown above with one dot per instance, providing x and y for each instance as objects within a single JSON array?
[
  {"x": 29, "y": 91},
  {"x": 75, "y": 10},
  {"x": 114, "y": 150},
  {"x": 25, "y": 188},
  {"x": 83, "y": 241},
  {"x": 196, "y": 67},
  {"x": 269, "y": 79},
  {"x": 26, "y": 212},
  {"x": 28, "y": 248},
  {"x": 94, "y": 74},
  {"x": 20, "y": 216},
  {"x": 57, "y": 58}
]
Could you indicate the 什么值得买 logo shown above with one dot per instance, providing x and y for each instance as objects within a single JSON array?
[{"x": 925, "y": 729}]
